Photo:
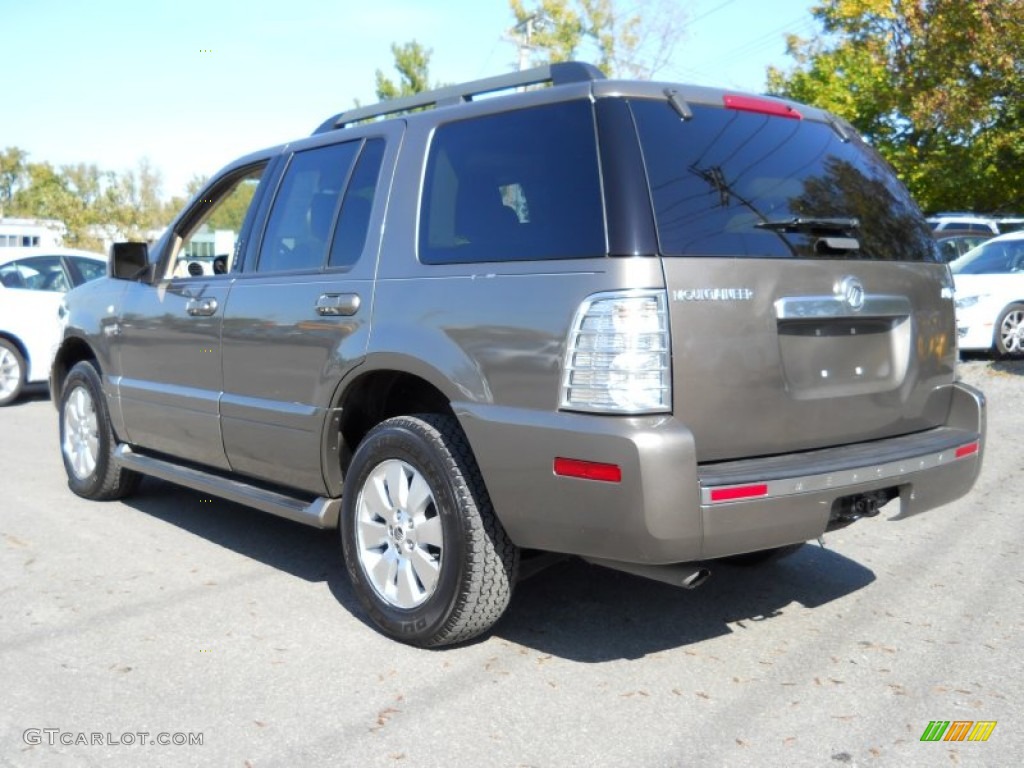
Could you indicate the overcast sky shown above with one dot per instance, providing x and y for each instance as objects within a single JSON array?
[{"x": 193, "y": 84}]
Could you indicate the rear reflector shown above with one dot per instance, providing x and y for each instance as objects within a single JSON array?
[
  {"x": 738, "y": 492},
  {"x": 588, "y": 470},
  {"x": 968, "y": 450},
  {"x": 761, "y": 106}
]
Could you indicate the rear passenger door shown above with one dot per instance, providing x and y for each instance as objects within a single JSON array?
[{"x": 298, "y": 316}]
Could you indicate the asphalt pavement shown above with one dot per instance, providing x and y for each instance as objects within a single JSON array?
[{"x": 234, "y": 637}]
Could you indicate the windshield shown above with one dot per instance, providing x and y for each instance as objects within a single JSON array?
[
  {"x": 991, "y": 258},
  {"x": 735, "y": 183}
]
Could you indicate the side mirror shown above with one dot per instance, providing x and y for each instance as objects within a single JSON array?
[{"x": 129, "y": 261}]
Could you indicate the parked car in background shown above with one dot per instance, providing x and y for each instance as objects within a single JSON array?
[
  {"x": 964, "y": 223},
  {"x": 1010, "y": 223},
  {"x": 32, "y": 282},
  {"x": 953, "y": 246},
  {"x": 990, "y": 296}
]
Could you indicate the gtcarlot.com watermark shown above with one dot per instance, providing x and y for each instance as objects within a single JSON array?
[{"x": 55, "y": 736}]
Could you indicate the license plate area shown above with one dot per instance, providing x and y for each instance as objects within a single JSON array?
[{"x": 836, "y": 357}]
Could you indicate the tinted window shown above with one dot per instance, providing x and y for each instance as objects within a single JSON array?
[
  {"x": 714, "y": 178},
  {"x": 302, "y": 218},
  {"x": 354, "y": 219},
  {"x": 514, "y": 186}
]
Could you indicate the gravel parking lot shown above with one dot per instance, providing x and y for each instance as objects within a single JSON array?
[{"x": 189, "y": 618}]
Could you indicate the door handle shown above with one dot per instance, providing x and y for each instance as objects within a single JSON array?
[
  {"x": 338, "y": 304},
  {"x": 201, "y": 307}
]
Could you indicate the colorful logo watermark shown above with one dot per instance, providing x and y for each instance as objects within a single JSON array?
[{"x": 958, "y": 730}]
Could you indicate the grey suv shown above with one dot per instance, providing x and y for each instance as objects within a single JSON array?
[{"x": 649, "y": 325}]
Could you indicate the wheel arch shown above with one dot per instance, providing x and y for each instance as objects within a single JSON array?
[
  {"x": 72, "y": 351},
  {"x": 18, "y": 344},
  {"x": 372, "y": 396}
]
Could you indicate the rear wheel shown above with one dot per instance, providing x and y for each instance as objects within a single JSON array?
[
  {"x": 427, "y": 556},
  {"x": 12, "y": 372},
  {"x": 87, "y": 439},
  {"x": 1010, "y": 331}
]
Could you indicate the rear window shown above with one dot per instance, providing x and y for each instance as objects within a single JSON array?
[
  {"x": 514, "y": 186},
  {"x": 724, "y": 183}
]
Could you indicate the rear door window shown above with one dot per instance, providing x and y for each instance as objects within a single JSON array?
[
  {"x": 514, "y": 186},
  {"x": 301, "y": 222},
  {"x": 725, "y": 181}
]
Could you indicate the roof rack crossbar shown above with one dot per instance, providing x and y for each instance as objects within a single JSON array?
[{"x": 559, "y": 73}]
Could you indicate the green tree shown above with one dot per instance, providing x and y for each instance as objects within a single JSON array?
[
  {"x": 231, "y": 212},
  {"x": 48, "y": 193},
  {"x": 13, "y": 172},
  {"x": 89, "y": 201},
  {"x": 936, "y": 85},
  {"x": 412, "y": 61},
  {"x": 137, "y": 205},
  {"x": 633, "y": 44}
]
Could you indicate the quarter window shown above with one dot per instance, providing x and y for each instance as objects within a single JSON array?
[{"x": 514, "y": 186}]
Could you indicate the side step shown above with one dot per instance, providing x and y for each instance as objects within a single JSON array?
[
  {"x": 686, "y": 575},
  {"x": 322, "y": 512}
]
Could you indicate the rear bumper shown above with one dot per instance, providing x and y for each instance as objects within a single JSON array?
[{"x": 667, "y": 509}]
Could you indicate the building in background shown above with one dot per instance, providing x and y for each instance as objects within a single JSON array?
[{"x": 26, "y": 233}]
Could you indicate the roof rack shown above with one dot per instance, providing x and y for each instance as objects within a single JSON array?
[{"x": 559, "y": 73}]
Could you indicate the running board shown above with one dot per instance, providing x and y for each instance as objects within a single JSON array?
[
  {"x": 686, "y": 575},
  {"x": 322, "y": 512}
]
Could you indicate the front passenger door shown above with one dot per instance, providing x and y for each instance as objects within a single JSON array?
[{"x": 169, "y": 330}]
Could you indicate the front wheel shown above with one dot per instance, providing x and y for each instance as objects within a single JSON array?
[
  {"x": 12, "y": 373},
  {"x": 87, "y": 439},
  {"x": 1010, "y": 331},
  {"x": 425, "y": 552}
]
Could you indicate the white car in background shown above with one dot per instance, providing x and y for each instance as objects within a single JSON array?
[
  {"x": 990, "y": 296},
  {"x": 32, "y": 283}
]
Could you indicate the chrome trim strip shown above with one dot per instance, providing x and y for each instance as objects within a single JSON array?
[
  {"x": 814, "y": 307},
  {"x": 321, "y": 512},
  {"x": 792, "y": 486}
]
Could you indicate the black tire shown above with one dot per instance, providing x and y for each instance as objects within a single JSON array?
[
  {"x": 763, "y": 556},
  {"x": 12, "y": 372},
  {"x": 1010, "y": 331},
  {"x": 466, "y": 553},
  {"x": 85, "y": 428}
]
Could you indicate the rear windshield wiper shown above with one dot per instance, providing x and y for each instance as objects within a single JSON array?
[{"x": 841, "y": 225}]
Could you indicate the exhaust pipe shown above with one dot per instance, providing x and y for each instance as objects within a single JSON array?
[{"x": 685, "y": 575}]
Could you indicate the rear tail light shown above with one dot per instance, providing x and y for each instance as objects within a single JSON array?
[{"x": 617, "y": 359}]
